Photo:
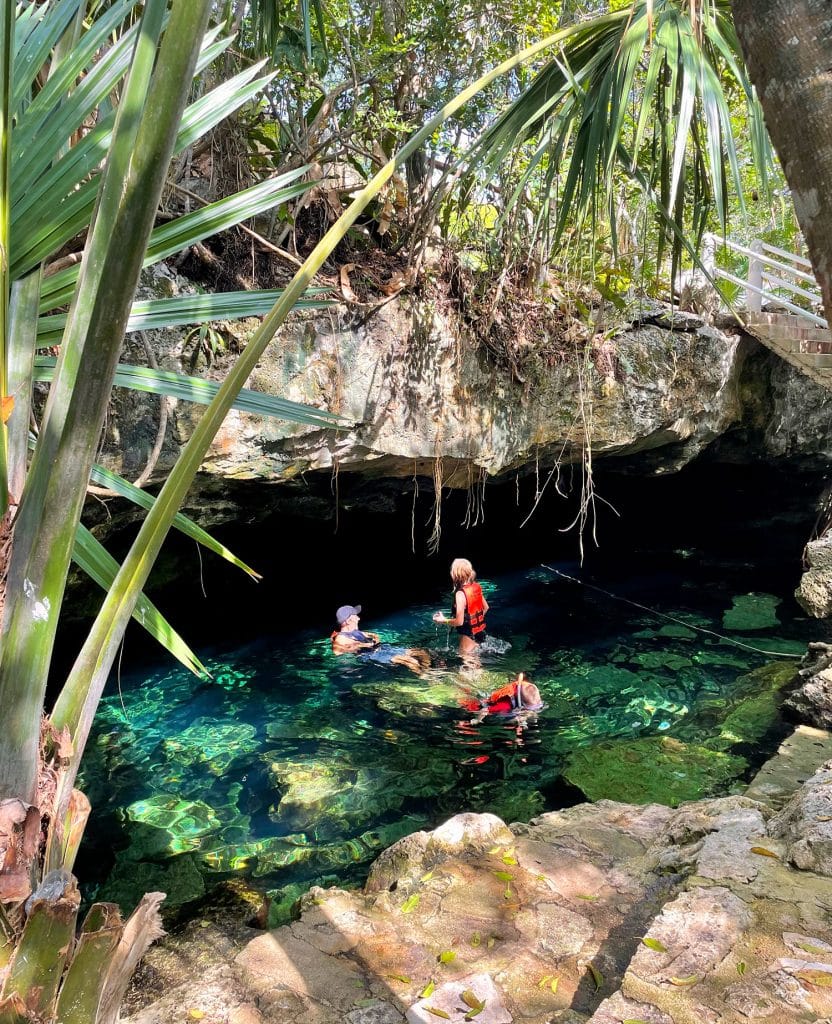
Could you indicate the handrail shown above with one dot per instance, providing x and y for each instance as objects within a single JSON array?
[{"x": 763, "y": 285}]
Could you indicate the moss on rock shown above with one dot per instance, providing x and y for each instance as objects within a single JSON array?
[{"x": 655, "y": 769}]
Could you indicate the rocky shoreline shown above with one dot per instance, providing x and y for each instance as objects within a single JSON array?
[{"x": 717, "y": 911}]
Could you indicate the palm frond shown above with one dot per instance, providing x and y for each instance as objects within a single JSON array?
[
  {"x": 93, "y": 558},
  {"x": 195, "y": 389},
  {"x": 649, "y": 80}
]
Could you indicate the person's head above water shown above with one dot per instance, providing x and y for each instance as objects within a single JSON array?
[
  {"x": 462, "y": 572},
  {"x": 527, "y": 691},
  {"x": 346, "y": 611}
]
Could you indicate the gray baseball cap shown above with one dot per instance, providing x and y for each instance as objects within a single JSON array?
[{"x": 345, "y": 611}]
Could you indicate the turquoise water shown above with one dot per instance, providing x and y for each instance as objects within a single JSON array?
[{"x": 292, "y": 766}]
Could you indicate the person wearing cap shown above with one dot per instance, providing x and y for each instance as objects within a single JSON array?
[{"x": 349, "y": 639}]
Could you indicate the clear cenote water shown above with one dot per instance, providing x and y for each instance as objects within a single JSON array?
[{"x": 292, "y": 767}]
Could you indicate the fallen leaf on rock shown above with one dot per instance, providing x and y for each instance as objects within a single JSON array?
[
  {"x": 597, "y": 977},
  {"x": 691, "y": 979},
  {"x": 553, "y": 984},
  {"x": 437, "y": 1012},
  {"x": 447, "y": 956},
  {"x": 634, "y": 1020},
  {"x": 476, "y": 939},
  {"x": 659, "y": 947},
  {"x": 195, "y": 1014},
  {"x": 403, "y": 978},
  {"x": 586, "y": 896},
  {"x": 741, "y": 968},
  {"x": 426, "y": 877},
  {"x": 495, "y": 849},
  {"x": 544, "y": 981},
  {"x": 807, "y": 947},
  {"x": 470, "y": 999},
  {"x": 428, "y": 990},
  {"x": 474, "y": 1013},
  {"x": 822, "y": 979},
  {"x": 491, "y": 942},
  {"x": 504, "y": 876},
  {"x": 411, "y": 903},
  {"x": 761, "y": 851},
  {"x": 824, "y": 817}
]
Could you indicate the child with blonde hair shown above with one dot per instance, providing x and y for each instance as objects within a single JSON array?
[{"x": 469, "y": 607}]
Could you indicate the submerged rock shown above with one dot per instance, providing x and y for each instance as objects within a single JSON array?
[
  {"x": 752, "y": 611},
  {"x": 651, "y": 769}
]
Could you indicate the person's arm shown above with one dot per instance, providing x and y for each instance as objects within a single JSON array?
[
  {"x": 375, "y": 639},
  {"x": 459, "y": 616},
  {"x": 484, "y": 605}
]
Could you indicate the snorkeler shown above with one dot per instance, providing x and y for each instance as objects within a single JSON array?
[
  {"x": 517, "y": 698},
  {"x": 349, "y": 639},
  {"x": 469, "y": 607}
]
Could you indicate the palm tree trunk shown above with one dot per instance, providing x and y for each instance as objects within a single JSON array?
[{"x": 788, "y": 48}]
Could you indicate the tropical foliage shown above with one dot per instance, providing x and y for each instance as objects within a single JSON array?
[{"x": 639, "y": 108}]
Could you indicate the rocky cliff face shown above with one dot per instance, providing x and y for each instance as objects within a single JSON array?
[{"x": 419, "y": 396}]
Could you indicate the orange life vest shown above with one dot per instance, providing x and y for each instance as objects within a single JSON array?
[{"x": 474, "y": 607}]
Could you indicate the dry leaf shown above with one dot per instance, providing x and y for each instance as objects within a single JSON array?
[
  {"x": 437, "y": 1012},
  {"x": 504, "y": 876},
  {"x": 475, "y": 940},
  {"x": 553, "y": 984},
  {"x": 544, "y": 981},
  {"x": 446, "y": 956},
  {"x": 474, "y": 1013},
  {"x": 820, "y": 978},
  {"x": 597, "y": 977},
  {"x": 470, "y": 999},
  {"x": 346, "y": 288},
  {"x": 428, "y": 990},
  {"x": 659, "y": 947},
  {"x": 741, "y": 968},
  {"x": 761, "y": 851},
  {"x": 6, "y": 407},
  {"x": 586, "y": 896},
  {"x": 691, "y": 979},
  {"x": 403, "y": 978}
]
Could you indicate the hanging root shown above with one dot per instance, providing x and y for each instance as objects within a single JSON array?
[{"x": 436, "y": 531}]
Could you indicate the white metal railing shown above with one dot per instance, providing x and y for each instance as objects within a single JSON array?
[{"x": 774, "y": 276}]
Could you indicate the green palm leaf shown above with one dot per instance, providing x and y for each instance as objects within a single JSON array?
[
  {"x": 106, "y": 478},
  {"x": 90, "y": 555},
  {"x": 649, "y": 80},
  {"x": 195, "y": 389},
  {"x": 153, "y": 314},
  {"x": 193, "y": 227}
]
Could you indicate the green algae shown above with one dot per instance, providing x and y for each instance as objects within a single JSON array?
[
  {"x": 651, "y": 770},
  {"x": 750, "y": 612},
  {"x": 758, "y": 710}
]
